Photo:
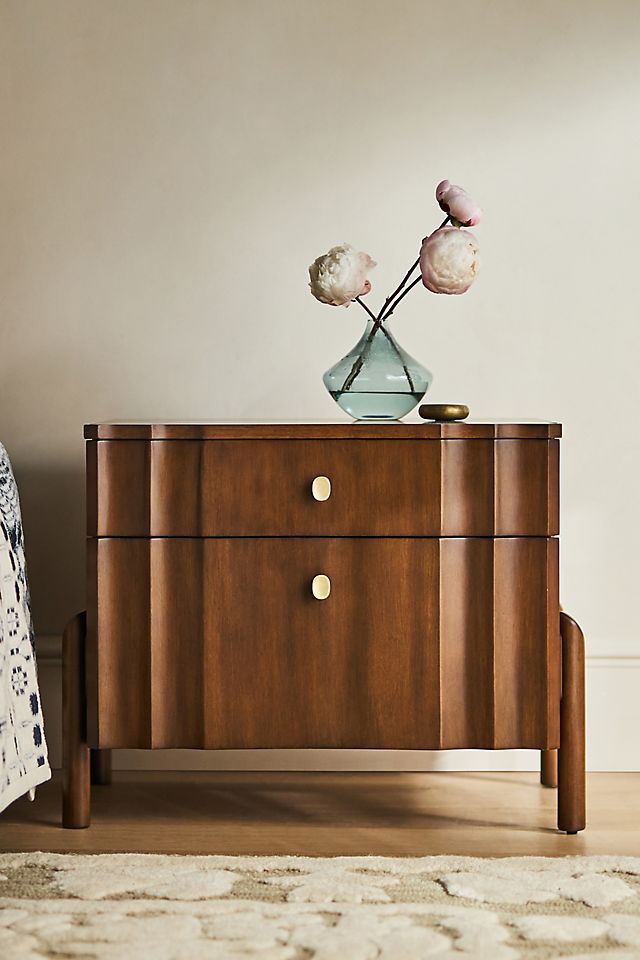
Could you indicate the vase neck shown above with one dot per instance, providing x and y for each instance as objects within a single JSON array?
[
  {"x": 380, "y": 329},
  {"x": 382, "y": 333}
]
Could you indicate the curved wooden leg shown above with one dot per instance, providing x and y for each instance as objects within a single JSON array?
[
  {"x": 76, "y": 789},
  {"x": 571, "y": 756},
  {"x": 549, "y": 768},
  {"x": 101, "y": 767}
]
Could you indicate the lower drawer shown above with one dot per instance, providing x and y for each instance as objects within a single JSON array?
[{"x": 420, "y": 644}]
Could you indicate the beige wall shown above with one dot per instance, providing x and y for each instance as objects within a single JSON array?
[{"x": 170, "y": 168}]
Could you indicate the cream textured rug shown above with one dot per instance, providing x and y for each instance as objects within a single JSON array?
[{"x": 121, "y": 906}]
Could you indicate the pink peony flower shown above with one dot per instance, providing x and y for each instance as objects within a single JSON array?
[
  {"x": 340, "y": 275},
  {"x": 449, "y": 260},
  {"x": 458, "y": 204}
]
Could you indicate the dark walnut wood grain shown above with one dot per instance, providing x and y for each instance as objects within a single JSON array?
[
  {"x": 118, "y": 660},
  {"x": 549, "y": 768},
  {"x": 441, "y": 629},
  {"x": 571, "y": 756},
  {"x": 422, "y": 643},
  {"x": 378, "y": 488},
  {"x": 100, "y": 767},
  {"x": 317, "y": 431},
  {"x": 76, "y": 791}
]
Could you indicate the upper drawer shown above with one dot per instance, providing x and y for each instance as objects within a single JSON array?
[{"x": 422, "y": 488}]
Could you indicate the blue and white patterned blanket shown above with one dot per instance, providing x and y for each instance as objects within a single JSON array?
[{"x": 23, "y": 750}]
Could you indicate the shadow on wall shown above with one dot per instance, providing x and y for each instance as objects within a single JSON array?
[{"x": 53, "y": 513}]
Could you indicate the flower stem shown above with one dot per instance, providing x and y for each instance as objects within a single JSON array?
[
  {"x": 386, "y": 310},
  {"x": 399, "y": 356},
  {"x": 359, "y": 362},
  {"x": 401, "y": 297},
  {"x": 389, "y": 306},
  {"x": 355, "y": 369},
  {"x": 365, "y": 307},
  {"x": 398, "y": 289},
  {"x": 380, "y": 326},
  {"x": 383, "y": 311}
]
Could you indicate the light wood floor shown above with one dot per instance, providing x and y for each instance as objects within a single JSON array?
[{"x": 326, "y": 814}]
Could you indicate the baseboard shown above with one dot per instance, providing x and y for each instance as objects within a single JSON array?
[{"x": 613, "y": 718}]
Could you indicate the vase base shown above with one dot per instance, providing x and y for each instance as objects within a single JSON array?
[
  {"x": 378, "y": 420},
  {"x": 367, "y": 406}
]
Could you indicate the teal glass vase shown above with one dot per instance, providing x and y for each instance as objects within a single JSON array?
[{"x": 377, "y": 379}]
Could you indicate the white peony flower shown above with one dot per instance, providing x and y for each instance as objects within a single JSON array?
[
  {"x": 449, "y": 260},
  {"x": 340, "y": 275}
]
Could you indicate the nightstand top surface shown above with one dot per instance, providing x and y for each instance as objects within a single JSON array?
[{"x": 314, "y": 429}]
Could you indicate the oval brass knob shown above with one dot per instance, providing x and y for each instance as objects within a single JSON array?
[
  {"x": 321, "y": 488},
  {"x": 321, "y": 587}
]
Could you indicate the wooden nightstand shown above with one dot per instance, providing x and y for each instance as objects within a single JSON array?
[{"x": 387, "y": 586}]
